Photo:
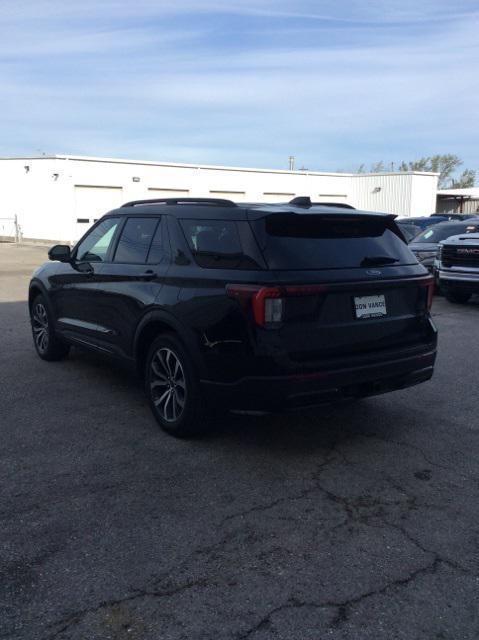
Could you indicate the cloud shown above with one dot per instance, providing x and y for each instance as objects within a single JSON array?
[
  {"x": 373, "y": 11},
  {"x": 96, "y": 42},
  {"x": 240, "y": 83}
]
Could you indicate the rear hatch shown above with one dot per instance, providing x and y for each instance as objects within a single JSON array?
[{"x": 345, "y": 286}]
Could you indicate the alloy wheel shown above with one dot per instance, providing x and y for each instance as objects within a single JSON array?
[
  {"x": 40, "y": 327},
  {"x": 167, "y": 384}
]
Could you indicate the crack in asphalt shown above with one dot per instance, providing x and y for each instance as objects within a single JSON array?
[
  {"x": 350, "y": 506},
  {"x": 415, "y": 447},
  {"x": 75, "y": 618},
  {"x": 342, "y": 607},
  {"x": 138, "y": 593},
  {"x": 352, "y": 511},
  {"x": 299, "y": 496}
]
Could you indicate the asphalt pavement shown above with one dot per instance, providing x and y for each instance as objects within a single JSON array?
[{"x": 354, "y": 522}]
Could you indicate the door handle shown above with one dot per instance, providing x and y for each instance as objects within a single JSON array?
[{"x": 149, "y": 274}]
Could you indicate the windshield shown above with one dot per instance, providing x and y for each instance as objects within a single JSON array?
[
  {"x": 289, "y": 241},
  {"x": 410, "y": 231},
  {"x": 442, "y": 231}
]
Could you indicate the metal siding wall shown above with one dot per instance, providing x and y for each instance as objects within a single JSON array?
[
  {"x": 37, "y": 197},
  {"x": 44, "y": 199},
  {"x": 423, "y": 195},
  {"x": 451, "y": 206},
  {"x": 394, "y": 195},
  {"x": 471, "y": 206}
]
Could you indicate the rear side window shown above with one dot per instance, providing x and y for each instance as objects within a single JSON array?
[
  {"x": 135, "y": 240},
  {"x": 290, "y": 241},
  {"x": 216, "y": 244}
]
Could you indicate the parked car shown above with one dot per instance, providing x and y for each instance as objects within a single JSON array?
[
  {"x": 236, "y": 306},
  {"x": 423, "y": 222},
  {"x": 409, "y": 231},
  {"x": 458, "y": 267},
  {"x": 454, "y": 216},
  {"x": 425, "y": 245}
]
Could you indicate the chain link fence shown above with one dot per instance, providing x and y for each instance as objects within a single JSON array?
[{"x": 10, "y": 230}]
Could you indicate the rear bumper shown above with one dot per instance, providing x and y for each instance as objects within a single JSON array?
[{"x": 279, "y": 392}]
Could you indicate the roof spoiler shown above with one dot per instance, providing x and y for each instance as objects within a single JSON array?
[{"x": 305, "y": 201}]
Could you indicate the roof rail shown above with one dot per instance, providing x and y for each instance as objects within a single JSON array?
[
  {"x": 216, "y": 202},
  {"x": 305, "y": 201}
]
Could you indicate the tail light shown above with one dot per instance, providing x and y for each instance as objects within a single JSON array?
[
  {"x": 430, "y": 293},
  {"x": 430, "y": 286},
  {"x": 269, "y": 303}
]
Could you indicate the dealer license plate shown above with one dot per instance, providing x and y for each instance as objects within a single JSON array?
[{"x": 370, "y": 306}]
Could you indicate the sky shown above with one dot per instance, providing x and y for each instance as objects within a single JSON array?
[{"x": 241, "y": 82}]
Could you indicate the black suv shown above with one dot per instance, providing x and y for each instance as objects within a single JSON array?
[{"x": 241, "y": 306}]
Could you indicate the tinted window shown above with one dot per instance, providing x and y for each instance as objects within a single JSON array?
[
  {"x": 94, "y": 247},
  {"x": 290, "y": 241},
  {"x": 216, "y": 244},
  {"x": 410, "y": 231},
  {"x": 422, "y": 223},
  {"x": 135, "y": 240},
  {"x": 442, "y": 231},
  {"x": 157, "y": 249}
]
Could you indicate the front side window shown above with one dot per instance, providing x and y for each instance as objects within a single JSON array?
[
  {"x": 135, "y": 240},
  {"x": 95, "y": 246}
]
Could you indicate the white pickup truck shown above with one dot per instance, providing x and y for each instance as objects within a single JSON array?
[{"x": 457, "y": 267}]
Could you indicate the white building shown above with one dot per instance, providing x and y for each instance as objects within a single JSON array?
[{"x": 58, "y": 197}]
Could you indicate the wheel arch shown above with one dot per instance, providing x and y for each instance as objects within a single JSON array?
[
  {"x": 155, "y": 323},
  {"x": 33, "y": 291},
  {"x": 37, "y": 288}
]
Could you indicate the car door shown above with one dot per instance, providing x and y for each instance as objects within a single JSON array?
[
  {"x": 74, "y": 292},
  {"x": 129, "y": 283}
]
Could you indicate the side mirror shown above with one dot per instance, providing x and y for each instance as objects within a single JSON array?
[{"x": 60, "y": 252}]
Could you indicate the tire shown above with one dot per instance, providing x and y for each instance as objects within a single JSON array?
[
  {"x": 457, "y": 297},
  {"x": 46, "y": 343},
  {"x": 173, "y": 389}
]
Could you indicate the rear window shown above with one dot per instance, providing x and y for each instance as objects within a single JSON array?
[
  {"x": 442, "y": 232},
  {"x": 315, "y": 242},
  {"x": 216, "y": 244}
]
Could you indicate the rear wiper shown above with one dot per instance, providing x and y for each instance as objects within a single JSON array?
[{"x": 372, "y": 261}]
